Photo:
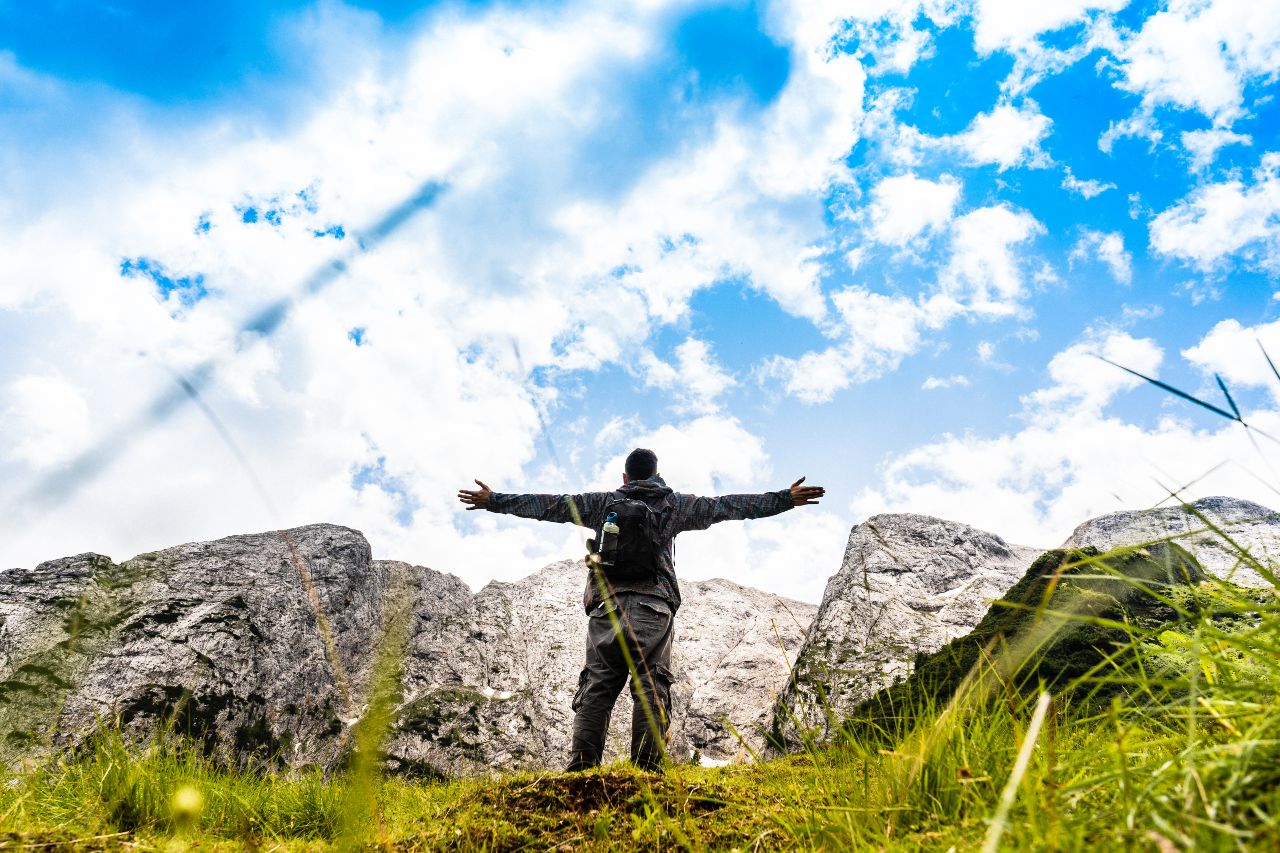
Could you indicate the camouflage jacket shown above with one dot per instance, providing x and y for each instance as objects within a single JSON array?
[{"x": 678, "y": 512}]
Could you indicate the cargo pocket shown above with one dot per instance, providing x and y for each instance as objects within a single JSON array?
[
  {"x": 582, "y": 690},
  {"x": 652, "y": 620},
  {"x": 662, "y": 681},
  {"x": 652, "y": 611},
  {"x": 655, "y": 605}
]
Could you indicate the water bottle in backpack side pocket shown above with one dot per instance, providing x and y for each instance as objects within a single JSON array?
[{"x": 609, "y": 540}]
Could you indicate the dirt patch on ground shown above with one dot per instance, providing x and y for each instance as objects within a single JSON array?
[{"x": 585, "y": 793}]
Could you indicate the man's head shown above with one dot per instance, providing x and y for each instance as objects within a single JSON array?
[{"x": 641, "y": 465}]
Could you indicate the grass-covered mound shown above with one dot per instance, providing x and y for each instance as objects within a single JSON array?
[{"x": 1072, "y": 624}]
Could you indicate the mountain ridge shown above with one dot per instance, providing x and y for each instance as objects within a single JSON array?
[{"x": 259, "y": 645}]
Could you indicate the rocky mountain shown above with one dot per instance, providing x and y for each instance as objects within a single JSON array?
[
  {"x": 1249, "y": 525},
  {"x": 265, "y": 644},
  {"x": 223, "y": 637},
  {"x": 908, "y": 584},
  {"x": 495, "y": 690}
]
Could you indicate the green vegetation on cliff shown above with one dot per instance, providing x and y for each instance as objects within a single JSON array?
[{"x": 1078, "y": 624}]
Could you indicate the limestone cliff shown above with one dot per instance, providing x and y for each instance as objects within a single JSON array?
[
  {"x": 908, "y": 584},
  {"x": 221, "y": 637},
  {"x": 262, "y": 646},
  {"x": 1250, "y": 526}
]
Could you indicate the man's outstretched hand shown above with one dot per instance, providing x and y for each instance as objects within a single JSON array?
[
  {"x": 479, "y": 498},
  {"x": 803, "y": 495}
]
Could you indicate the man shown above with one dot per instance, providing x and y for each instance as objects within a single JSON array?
[{"x": 632, "y": 612}]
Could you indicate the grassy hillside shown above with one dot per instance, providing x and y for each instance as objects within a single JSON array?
[
  {"x": 1076, "y": 624},
  {"x": 1165, "y": 737}
]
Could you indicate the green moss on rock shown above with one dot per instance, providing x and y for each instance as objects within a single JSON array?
[{"x": 1052, "y": 630}]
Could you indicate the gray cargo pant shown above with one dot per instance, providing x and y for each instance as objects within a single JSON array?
[{"x": 647, "y": 626}]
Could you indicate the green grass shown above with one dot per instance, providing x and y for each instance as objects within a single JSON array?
[
  {"x": 1089, "y": 782},
  {"x": 1180, "y": 750}
]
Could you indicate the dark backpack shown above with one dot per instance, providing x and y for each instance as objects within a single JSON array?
[{"x": 629, "y": 541}]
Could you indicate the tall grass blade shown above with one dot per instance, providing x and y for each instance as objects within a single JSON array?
[
  {"x": 361, "y": 817},
  {"x": 1001, "y": 818},
  {"x": 1167, "y": 387},
  {"x": 1227, "y": 394},
  {"x": 1270, "y": 363}
]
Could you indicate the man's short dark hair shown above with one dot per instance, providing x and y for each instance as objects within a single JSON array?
[{"x": 641, "y": 464}]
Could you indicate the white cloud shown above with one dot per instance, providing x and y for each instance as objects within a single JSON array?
[
  {"x": 1141, "y": 125},
  {"x": 878, "y": 332},
  {"x": 1016, "y": 24},
  {"x": 1200, "y": 291},
  {"x": 957, "y": 380},
  {"x": 1033, "y": 486},
  {"x": 1107, "y": 247},
  {"x": 898, "y": 144},
  {"x": 1223, "y": 222},
  {"x": 1083, "y": 382},
  {"x": 983, "y": 277},
  {"x": 706, "y": 455},
  {"x": 1006, "y": 137},
  {"x": 1086, "y": 188},
  {"x": 881, "y": 33},
  {"x": 1203, "y": 145},
  {"x": 1111, "y": 252},
  {"x": 1071, "y": 461},
  {"x": 696, "y": 378},
  {"x": 1232, "y": 350},
  {"x": 47, "y": 421},
  {"x": 745, "y": 204},
  {"x": 904, "y": 206},
  {"x": 1200, "y": 54},
  {"x": 984, "y": 274}
]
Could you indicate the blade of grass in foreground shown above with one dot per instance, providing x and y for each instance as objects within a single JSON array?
[
  {"x": 1167, "y": 387},
  {"x": 1194, "y": 399},
  {"x": 1001, "y": 818}
]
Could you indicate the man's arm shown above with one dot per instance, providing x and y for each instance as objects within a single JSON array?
[
  {"x": 701, "y": 513},
  {"x": 585, "y": 509}
]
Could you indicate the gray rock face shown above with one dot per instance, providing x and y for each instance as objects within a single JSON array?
[
  {"x": 908, "y": 584},
  {"x": 733, "y": 655},
  {"x": 221, "y": 637},
  {"x": 264, "y": 645},
  {"x": 1254, "y": 528},
  {"x": 494, "y": 691}
]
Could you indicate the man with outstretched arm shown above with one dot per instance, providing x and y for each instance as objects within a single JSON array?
[{"x": 632, "y": 594}]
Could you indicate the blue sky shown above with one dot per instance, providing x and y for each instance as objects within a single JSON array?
[{"x": 880, "y": 244}]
